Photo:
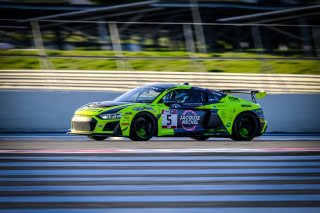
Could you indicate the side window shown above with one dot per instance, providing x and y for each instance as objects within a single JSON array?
[
  {"x": 179, "y": 96},
  {"x": 187, "y": 96},
  {"x": 183, "y": 96},
  {"x": 198, "y": 97}
]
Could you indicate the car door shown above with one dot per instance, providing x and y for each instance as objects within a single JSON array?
[{"x": 183, "y": 115}]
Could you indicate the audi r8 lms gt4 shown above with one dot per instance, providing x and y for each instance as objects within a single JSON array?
[{"x": 172, "y": 110}]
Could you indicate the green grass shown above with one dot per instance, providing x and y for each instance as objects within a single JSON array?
[
  {"x": 183, "y": 65},
  {"x": 21, "y": 63}
]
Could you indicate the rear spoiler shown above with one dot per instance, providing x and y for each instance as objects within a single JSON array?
[{"x": 254, "y": 93}]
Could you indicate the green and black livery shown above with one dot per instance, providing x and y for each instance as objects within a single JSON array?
[{"x": 172, "y": 110}]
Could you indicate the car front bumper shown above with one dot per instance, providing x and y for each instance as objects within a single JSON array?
[{"x": 84, "y": 125}]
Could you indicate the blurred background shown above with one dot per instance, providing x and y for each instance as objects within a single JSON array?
[
  {"x": 72, "y": 52},
  {"x": 248, "y": 36}
]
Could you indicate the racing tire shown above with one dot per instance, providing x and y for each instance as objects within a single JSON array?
[
  {"x": 245, "y": 127},
  {"x": 200, "y": 138},
  {"x": 143, "y": 127},
  {"x": 97, "y": 138}
]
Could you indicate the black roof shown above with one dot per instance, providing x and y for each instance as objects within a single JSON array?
[
  {"x": 163, "y": 85},
  {"x": 170, "y": 85}
]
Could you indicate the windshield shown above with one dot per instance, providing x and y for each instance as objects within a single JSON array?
[{"x": 145, "y": 94}]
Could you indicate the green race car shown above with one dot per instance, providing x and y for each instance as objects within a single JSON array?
[{"x": 172, "y": 110}]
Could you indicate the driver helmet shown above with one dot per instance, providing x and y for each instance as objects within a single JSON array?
[{"x": 182, "y": 97}]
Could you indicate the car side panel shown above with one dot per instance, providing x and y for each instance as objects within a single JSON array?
[{"x": 233, "y": 106}]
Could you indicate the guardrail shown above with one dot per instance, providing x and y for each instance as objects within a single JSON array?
[{"x": 93, "y": 80}]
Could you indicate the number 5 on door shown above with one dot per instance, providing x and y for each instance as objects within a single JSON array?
[{"x": 169, "y": 119}]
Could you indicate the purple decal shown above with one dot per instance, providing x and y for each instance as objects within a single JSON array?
[{"x": 189, "y": 120}]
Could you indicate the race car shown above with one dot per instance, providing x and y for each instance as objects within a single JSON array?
[{"x": 172, "y": 110}]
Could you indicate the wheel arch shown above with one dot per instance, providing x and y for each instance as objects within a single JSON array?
[
  {"x": 246, "y": 111},
  {"x": 149, "y": 113}
]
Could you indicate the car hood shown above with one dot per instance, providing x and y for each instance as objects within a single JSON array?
[
  {"x": 95, "y": 108},
  {"x": 105, "y": 104}
]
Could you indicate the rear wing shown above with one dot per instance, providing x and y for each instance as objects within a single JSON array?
[{"x": 254, "y": 93}]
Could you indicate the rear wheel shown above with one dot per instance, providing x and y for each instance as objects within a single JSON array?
[
  {"x": 142, "y": 127},
  {"x": 245, "y": 127},
  {"x": 97, "y": 138},
  {"x": 200, "y": 138}
]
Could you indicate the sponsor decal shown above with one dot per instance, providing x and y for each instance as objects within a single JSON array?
[
  {"x": 216, "y": 93},
  {"x": 192, "y": 104},
  {"x": 231, "y": 98},
  {"x": 246, "y": 105},
  {"x": 125, "y": 124},
  {"x": 142, "y": 108},
  {"x": 189, "y": 120}
]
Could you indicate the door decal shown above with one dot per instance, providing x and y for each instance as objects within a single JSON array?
[
  {"x": 169, "y": 119},
  {"x": 189, "y": 120}
]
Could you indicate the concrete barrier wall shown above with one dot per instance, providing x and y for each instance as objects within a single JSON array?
[
  {"x": 97, "y": 80},
  {"x": 43, "y": 111},
  {"x": 51, "y": 111}
]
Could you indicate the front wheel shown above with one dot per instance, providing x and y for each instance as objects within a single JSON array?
[
  {"x": 245, "y": 127},
  {"x": 97, "y": 138},
  {"x": 142, "y": 127}
]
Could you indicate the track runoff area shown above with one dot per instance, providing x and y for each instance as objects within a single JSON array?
[{"x": 59, "y": 173}]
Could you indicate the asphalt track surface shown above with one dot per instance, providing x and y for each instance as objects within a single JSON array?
[{"x": 58, "y": 173}]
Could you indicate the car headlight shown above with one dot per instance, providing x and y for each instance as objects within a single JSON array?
[{"x": 115, "y": 116}]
